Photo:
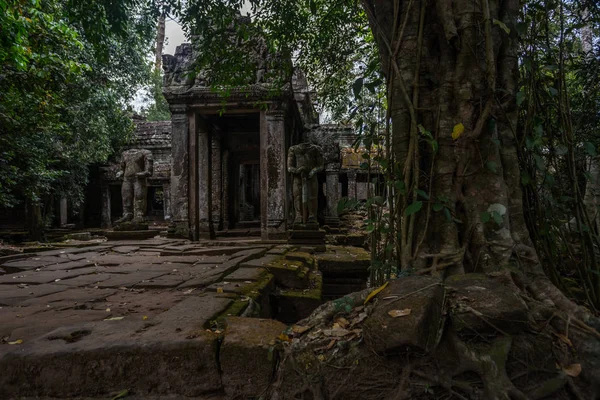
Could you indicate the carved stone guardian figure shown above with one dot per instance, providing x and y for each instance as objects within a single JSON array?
[
  {"x": 304, "y": 161},
  {"x": 136, "y": 167}
]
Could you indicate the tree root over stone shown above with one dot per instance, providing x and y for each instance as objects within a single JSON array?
[{"x": 529, "y": 364}]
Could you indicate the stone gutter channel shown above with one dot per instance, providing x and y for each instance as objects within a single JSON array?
[{"x": 159, "y": 318}]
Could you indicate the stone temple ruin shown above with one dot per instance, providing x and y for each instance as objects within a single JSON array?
[{"x": 220, "y": 165}]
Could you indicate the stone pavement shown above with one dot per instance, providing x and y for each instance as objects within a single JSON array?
[
  {"x": 157, "y": 317},
  {"x": 129, "y": 314}
]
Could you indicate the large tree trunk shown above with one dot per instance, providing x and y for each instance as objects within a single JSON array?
[
  {"x": 450, "y": 63},
  {"x": 160, "y": 41}
]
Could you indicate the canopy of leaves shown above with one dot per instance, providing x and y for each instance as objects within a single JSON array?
[{"x": 67, "y": 72}]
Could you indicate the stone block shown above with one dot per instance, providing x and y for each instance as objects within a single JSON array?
[
  {"x": 245, "y": 274},
  {"x": 248, "y": 357},
  {"x": 344, "y": 261},
  {"x": 424, "y": 297},
  {"x": 12, "y": 294},
  {"x": 83, "y": 236},
  {"x": 303, "y": 257},
  {"x": 295, "y": 305},
  {"x": 131, "y": 235},
  {"x": 289, "y": 274},
  {"x": 99, "y": 358},
  {"x": 131, "y": 226},
  {"x": 479, "y": 304}
]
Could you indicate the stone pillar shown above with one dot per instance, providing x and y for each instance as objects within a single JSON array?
[
  {"x": 352, "y": 185},
  {"x": 105, "y": 223},
  {"x": 205, "y": 225},
  {"x": 332, "y": 194},
  {"x": 273, "y": 175},
  {"x": 179, "y": 226},
  {"x": 217, "y": 184},
  {"x": 167, "y": 201},
  {"x": 225, "y": 206},
  {"x": 63, "y": 211}
]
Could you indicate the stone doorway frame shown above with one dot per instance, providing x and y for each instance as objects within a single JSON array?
[{"x": 192, "y": 211}]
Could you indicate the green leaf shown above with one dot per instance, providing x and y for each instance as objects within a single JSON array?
[
  {"x": 520, "y": 98},
  {"x": 357, "y": 87},
  {"x": 553, "y": 91},
  {"x": 437, "y": 207},
  {"x": 413, "y": 208},
  {"x": 590, "y": 149},
  {"x": 121, "y": 395},
  {"x": 485, "y": 217},
  {"x": 560, "y": 150},
  {"x": 423, "y": 194},
  {"x": 497, "y": 217},
  {"x": 447, "y": 214},
  {"x": 313, "y": 7},
  {"x": 503, "y": 26}
]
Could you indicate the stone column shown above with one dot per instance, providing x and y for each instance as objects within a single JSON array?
[
  {"x": 273, "y": 175},
  {"x": 167, "y": 201},
  {"x": 217, "y": 184},
  {"x": 179, "y": 226},
  {"x": 332, "y": 194},
  {"x": 352, "y": 185},
  {"x": 105, "y": 223},
  {"x": 225, "y": 206},
  {"x": 63, "y": 211},
  {"x": 205, "y": 225}
]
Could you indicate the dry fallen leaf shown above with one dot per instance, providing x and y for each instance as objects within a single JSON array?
[
  {"x": 20, "y": 341},
  {"x": 108, "y": 310},
  {"x": 297, "y": 329},
  {"x": 343, "y": 322},
  {"x": 219, "y": 290},
  {"x": 564, "y": 339},
  {"x": 573, "y": 370},
  {"x": 399, "y": 313},
  {"x": 145, "y": 317},
  {"x": 114, "y": 319}
]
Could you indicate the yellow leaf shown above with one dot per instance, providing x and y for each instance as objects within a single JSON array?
[
  {"x": 20, "y": 341},
  {"x": 399, "y": 313},
  {"x": 458, "y": 130},
  {"x": 284, "y": 338},
  {"x": 219, "y": 290},
  {"x": 573, "y": 370},
  {"x": 114, "y": 319},
  {"x": 375, "y": 292},
  {"x": 144, "y": 317}
]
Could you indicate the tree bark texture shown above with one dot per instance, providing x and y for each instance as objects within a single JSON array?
[
  {"x": 457, "y": 66},
  {"x": 451, "y": 62},
  {"x": 160, "y": 41}
]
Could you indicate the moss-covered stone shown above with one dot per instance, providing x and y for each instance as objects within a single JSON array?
[
  {"x": 289, "y": 274},
  {"x": 248, "y": 356},
  {"x": 294, "y": 305},
  {"x": 257, "y": 291},
  {"x": 344, "y": 260},
  {"x": 305, "y": 258}
]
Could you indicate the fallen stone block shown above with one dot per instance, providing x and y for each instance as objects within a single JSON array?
[
  {"x": 479, "y": 304},
  {"x": 247, "y": 356},
  {"x": 410, "y": 317},
  {"x": 104, "y": 357}
]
